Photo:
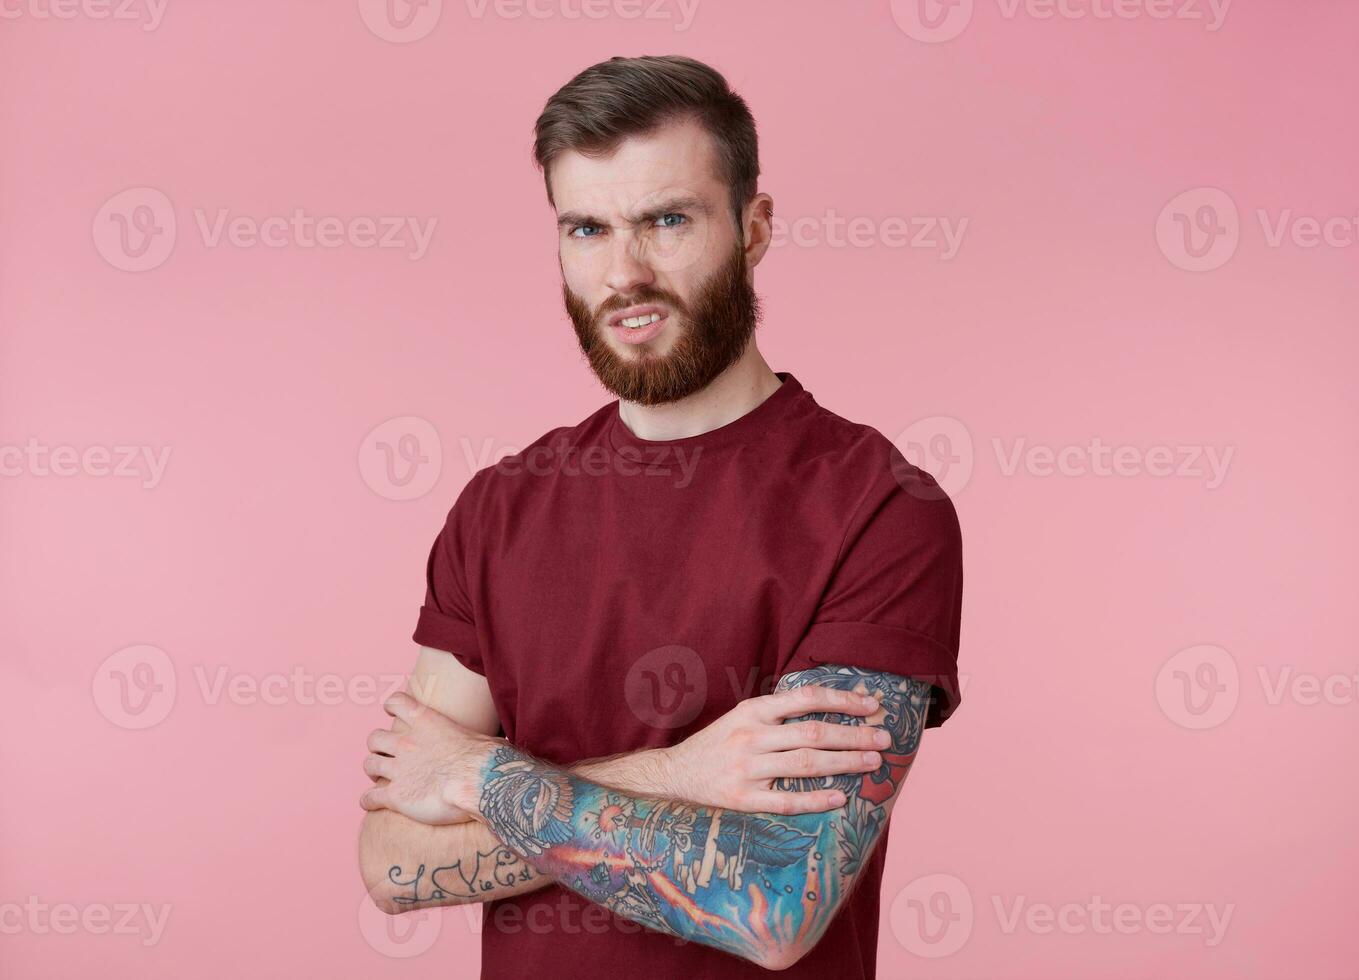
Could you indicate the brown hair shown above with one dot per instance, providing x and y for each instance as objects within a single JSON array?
[{"x": 624, "y": 97}]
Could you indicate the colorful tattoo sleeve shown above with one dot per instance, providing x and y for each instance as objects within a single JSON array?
[{"x": 761, "y": 886}]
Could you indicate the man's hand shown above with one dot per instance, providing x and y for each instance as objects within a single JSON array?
[
  {"x": 733, "y": 762},
  {"x": 427, "y": 755},
  {"x": 730, "y": 764}
]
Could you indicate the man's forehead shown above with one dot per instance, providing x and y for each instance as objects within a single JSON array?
[{"x": 642, "y": 171}]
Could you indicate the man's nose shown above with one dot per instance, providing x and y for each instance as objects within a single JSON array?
[{"x": 627, "y": 266}]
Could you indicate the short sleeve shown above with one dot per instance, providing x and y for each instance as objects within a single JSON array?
[
  {"x": 446, "y": 620},
  {"x": 894, "y": 600}
]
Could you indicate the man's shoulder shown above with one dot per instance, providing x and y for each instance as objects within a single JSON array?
[
  {"x": 826, "y": 434},
  {"x": 856, "y": 463},
  {"x": 510, "y": 469}
]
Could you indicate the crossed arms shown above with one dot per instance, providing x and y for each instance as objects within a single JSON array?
[{"x": 731, "y": 839}]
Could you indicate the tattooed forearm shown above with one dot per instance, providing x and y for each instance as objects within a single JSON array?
[
  {"x": 408, "y": 865},
  {"x": 904, "y": 703},
  {"x": 760, "y": 886},
  {"x": 468, "y": 879}
]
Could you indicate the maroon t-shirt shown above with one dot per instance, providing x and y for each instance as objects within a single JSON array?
[{"x": 620, "y": 594}]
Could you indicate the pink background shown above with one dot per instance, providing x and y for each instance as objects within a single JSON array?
[{"x": 274, "y": 545}]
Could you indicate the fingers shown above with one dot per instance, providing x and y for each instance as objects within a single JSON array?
[
  {"x": 812, "y": 762},
  {"x": 822, "y": 735},
  {"x": 374, "y": 799},
  {"x": 379, "y": 766},
  {"x": 382, "y": 740},
  {"x": 401, "y": 705},
  {"x": 816, "y": 801},
  {"x": 773, "y": 708}
]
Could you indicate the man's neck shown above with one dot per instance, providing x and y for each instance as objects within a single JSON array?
[{"x": 737, "y": 390}]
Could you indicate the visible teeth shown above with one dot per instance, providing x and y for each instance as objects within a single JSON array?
[{"x": 633, "y": 322}]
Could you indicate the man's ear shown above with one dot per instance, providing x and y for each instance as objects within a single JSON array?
[{"x": 757, "y": 228}]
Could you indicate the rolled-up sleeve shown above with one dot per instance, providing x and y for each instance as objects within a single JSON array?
[
  {"x": 894, "y": 601},
  {"x": 446, "y": 620}
]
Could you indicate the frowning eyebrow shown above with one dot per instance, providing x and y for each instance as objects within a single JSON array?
[{"x": 687, "y": 203}]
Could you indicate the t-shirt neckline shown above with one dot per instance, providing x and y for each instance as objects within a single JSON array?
[{"x": 738, "y": 429}]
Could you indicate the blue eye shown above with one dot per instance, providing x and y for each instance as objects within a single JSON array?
[{"x": 672, "y": 219}]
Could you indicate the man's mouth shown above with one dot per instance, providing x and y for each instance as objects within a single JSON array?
[
  {"x": 635, "y": 316},
  {"x": 638, "y": 324}
]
